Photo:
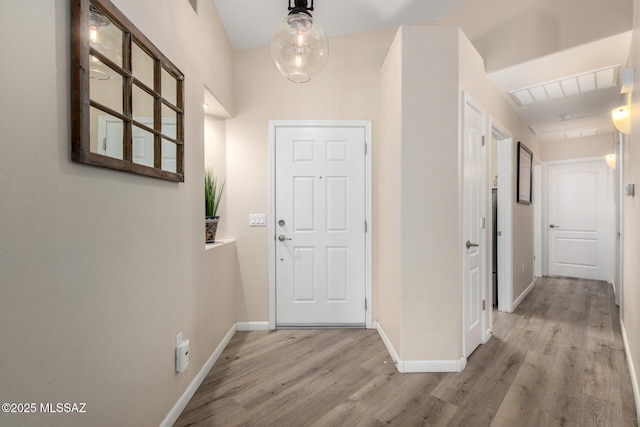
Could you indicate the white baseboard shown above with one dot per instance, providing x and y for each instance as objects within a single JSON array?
[
  {"x": 252, "y": 326},
  {"x": 387, "y": 343},
  {"x": 434, "y": 365},
  {"x": 407, "y": 366},
  {"x": 632, "y": 370},
  {"x": 487, "y": 336},
  {"x": 177, "y": 409},
  {"x": 522, "y": 296}
]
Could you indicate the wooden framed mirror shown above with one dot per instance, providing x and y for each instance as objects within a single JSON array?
[{"x": 127, "y": 98}]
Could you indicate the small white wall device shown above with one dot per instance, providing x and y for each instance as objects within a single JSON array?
[
  {"x": 182, "y": 356},
  {"x": 630, "y": 190}
]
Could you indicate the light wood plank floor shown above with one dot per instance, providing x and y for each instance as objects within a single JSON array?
[{"x": 557, "y": 361}]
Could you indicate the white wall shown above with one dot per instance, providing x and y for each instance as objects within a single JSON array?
[{"x": 99, "y": 270}]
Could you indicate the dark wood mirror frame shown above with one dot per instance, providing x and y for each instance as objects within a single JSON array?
[{"x": 82, "y": 53}]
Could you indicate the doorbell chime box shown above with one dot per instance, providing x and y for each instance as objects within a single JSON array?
[{"x": 182, "y": 356}]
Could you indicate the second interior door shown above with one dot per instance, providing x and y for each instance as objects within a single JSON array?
[{"x": 578, "y": 225}]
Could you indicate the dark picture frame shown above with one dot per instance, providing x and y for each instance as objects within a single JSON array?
[{"x": 525, "y": 173}]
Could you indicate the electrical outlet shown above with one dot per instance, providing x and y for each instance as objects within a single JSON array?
[{"x": 178, "y": 339}]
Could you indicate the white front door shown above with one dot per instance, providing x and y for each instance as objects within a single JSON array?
[
  {"x": 578, "y": 224},
  {"x": 320, "y": 212},
  {"x": 472, "y": 228}
]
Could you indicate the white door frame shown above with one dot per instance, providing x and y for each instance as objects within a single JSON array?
[
  {"x": 537, "y": 200},
  {"x": 619, "y": 180},
  {"x": 366, "y": 125},
  {"x": 505, "y": 215}
]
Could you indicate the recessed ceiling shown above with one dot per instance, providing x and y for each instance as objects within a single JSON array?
[
  {"x": 565, "y": 83},
  {"x": 249, "y": 23},
  {"x": 566, "y": 86},
  {"x": 548, "y": 101}
]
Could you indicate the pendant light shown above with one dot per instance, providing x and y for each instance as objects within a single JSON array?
[{"x": 299, "y": 45}]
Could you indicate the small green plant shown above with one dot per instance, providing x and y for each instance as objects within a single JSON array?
[{"x": 212, "y": 192}]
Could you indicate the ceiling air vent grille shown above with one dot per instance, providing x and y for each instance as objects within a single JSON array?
[{"x": 602, "y": 78}]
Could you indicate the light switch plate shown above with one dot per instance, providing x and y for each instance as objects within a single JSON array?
[{"x": 257, "y": 220}]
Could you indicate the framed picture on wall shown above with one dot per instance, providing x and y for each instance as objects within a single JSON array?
[{"x": 525, "y": 169}]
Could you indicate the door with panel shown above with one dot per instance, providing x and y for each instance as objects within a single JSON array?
[
  {"x": 473, "y": 146},
  {"x": 320, "y": 211},
  {"x": 578, "y": 223}
]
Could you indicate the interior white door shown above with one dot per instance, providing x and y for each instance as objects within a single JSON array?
[
  {"x": 320, "y": 211},
  {"x": 578, "y": 243},
  {"x": 472, "y": 228}
]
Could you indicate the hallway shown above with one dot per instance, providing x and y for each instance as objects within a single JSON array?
[{"x": 558, "y": 360}]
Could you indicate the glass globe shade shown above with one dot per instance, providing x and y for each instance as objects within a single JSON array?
[{"x": 299, "y": 47}]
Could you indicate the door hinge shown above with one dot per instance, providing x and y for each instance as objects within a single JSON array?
[
  {"x": 366, "y": 149},
  {"x": 483, "y": 140},
  {"x": 484, "y": 303},
  {"x": 365, "y": 304},
  {"x": 484, "y": 223},
  {"x": 366, "y": 226}
]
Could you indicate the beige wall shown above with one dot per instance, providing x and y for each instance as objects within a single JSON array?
[
  {"x": 99, "y": 270},
  {"x": 543, "y": 26},
  {"x": 631, "y": 272},
  {"x": 345, "y": 90},
  {"x": 419, "y": 120},
  {"x": 388, "y": 221},
  {"x": 592, "y": 146},
  {"x": 474, "y": 80},
  {"x": 431, "y": 256},
  {"x": 215, "y": 157}
]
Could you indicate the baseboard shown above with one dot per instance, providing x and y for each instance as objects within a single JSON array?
[
  {"x": 387, "y": 343},
  {"x": 252, "y": 326},
  {"x": 632, "y": 370},
  {"x": 413, "y": 366},
  {"x": 487, "y": 334},
  {"x": 434, "y": 365},
  {"x": 177, "y": 409},
  {"x": 522, "y": 296}
]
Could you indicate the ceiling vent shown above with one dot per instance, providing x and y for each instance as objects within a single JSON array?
[
  {"x": 586, "y": 82},
  {"x": 581, "y": 133}
]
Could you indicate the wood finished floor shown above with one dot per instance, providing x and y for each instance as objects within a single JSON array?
[{"x": 558, "y": 360}]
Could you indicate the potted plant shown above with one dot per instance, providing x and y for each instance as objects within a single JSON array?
[{"x": 212, "y": 194}]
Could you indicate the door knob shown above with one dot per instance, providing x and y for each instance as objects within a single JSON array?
[
  {"x": 553, "y": 226},
  {"x": 282, "y": 238},
  {"x": 471, "y": 245}
]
